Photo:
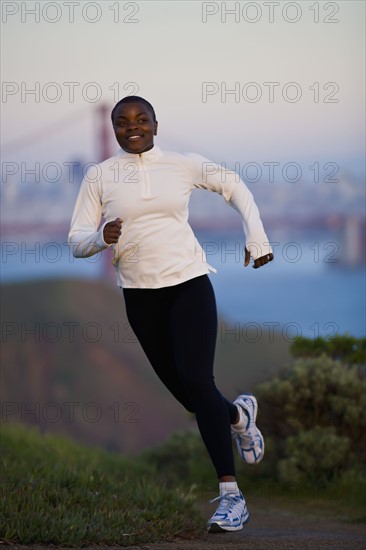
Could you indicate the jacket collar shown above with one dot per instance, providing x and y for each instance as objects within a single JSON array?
[{"x": 151, "y": 155}]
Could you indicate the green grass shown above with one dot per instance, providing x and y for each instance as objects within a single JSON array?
[{"x": 55, "y": 491}]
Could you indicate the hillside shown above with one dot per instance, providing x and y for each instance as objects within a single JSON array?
[{"x": 71, "y": 364}]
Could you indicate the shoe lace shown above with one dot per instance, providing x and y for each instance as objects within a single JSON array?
[{"x": 227, "y": 502}]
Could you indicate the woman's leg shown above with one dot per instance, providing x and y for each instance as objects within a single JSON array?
[
  {"x": 177, "y": 328},
  {"x": 193, "y": 320},
  {"x": 148, "y": 314}
]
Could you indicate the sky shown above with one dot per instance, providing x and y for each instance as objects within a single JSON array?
[{"x": 297, "y": 69}]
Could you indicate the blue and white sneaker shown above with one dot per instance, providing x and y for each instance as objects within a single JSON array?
[
  {"x": 248, "y": 439},
  {"x": 230, "y": 515}
]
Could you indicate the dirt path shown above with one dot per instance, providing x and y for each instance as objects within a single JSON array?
[
  {"x": 272, "y": 529},
  {"x": 276, "y": 530}
]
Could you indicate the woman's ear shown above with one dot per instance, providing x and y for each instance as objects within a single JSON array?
[{"x": 156, "y": 128}]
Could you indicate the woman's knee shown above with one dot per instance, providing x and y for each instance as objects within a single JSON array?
[
  {"x": 199, "y": 388},
  {"x": 189, "y": 407}
]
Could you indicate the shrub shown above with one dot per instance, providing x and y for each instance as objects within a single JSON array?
[
  {"x": 315, "y": 392},
  {"x": 181, "y": 460},
  {"x": 342, "y": 347},
  {"x": 316, "y": 456}
]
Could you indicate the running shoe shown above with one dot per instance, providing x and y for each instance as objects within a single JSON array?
[
  {"x": 249, "y": 440},
  {"x": 230, "y": 515}
]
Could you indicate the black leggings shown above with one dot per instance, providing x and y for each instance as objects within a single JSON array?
[{"x": 177, "y": 329}]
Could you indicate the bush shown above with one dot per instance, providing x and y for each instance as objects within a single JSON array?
[
  {"x": 315, "y": 411},
  {"x": 315, "y": 392},
  {"x": 316, "y": 456},
  {"x": 181, "y": 460},
  {"x": 345, "y": 348}
]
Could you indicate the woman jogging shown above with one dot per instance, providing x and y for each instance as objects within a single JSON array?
[{"x": 143, "y": 193}]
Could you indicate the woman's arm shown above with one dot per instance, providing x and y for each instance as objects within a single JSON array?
[
  {"x": 84, "y": 236},
  {"x": 213, "y": 177},
  {"x": 257, "y": 244}
]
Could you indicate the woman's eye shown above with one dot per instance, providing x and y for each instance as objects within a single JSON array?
[{"x": 142, "y": 120}]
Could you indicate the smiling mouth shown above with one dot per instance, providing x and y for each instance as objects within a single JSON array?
[{"x": 134, "y": 138}]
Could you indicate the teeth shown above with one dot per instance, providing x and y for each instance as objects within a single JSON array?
[{"x": 134, "y": 137}]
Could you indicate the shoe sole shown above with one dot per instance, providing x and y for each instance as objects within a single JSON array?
[
  {"x": 255, "y": 411},
  {"x": 216, "y": 528},
  {"x": 255, "y": 403},
  {"x": 242, "y": 456}
]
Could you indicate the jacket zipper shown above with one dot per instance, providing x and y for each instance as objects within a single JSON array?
[{"x": 145, "y": 188}]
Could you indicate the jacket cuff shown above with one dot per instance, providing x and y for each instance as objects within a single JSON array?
[
  {"x": 100, "y": 241},
  {"x": 258, "y": 249}
]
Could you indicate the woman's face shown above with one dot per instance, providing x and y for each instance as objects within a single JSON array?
[{"x": 134, "y": 127}]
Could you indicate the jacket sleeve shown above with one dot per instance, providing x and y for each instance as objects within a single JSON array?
[
  {"x": 213, "y": 177},
  {"x": 84, "y": 236}
]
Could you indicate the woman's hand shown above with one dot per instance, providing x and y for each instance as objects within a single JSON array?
[
  {"x": 263, "y": 260},
  {"x": 112, "y": 231}
]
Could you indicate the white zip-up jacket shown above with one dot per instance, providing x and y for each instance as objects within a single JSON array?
[{"x": 150, "y": 192}]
